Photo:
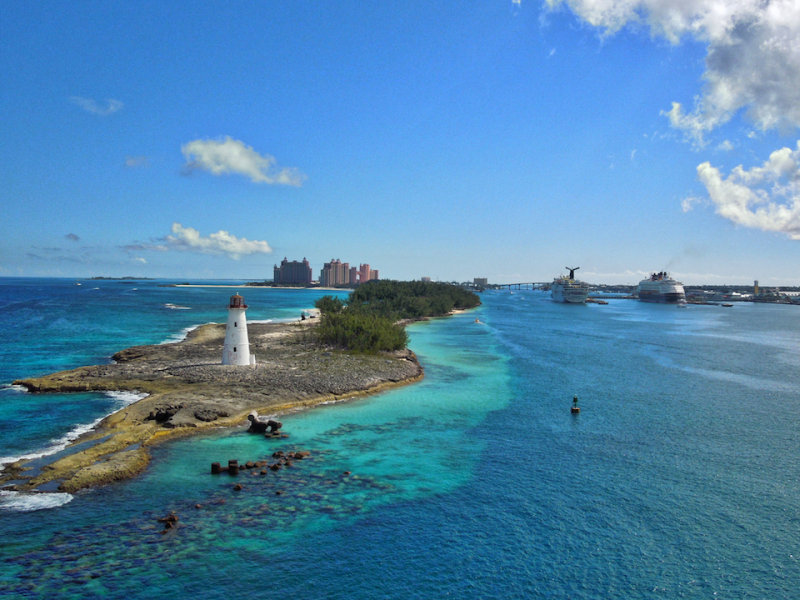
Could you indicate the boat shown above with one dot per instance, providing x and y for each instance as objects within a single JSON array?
[
  {"x": 660, "y": 287},
  {"x": 565, "y": 288}
]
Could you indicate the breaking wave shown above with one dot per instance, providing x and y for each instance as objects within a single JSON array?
[
  {"x": 57, "y": 445},
  {"x": 28, "y": 501}
]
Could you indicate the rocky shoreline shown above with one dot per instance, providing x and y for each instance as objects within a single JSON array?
[{"x": 188, "y": 390}]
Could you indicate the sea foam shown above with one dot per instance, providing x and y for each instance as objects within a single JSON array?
[
  {"x": 56, "y": 445},
  {"x": 172, "y": 306},
  {"x": 14, "y": 387},
  {"x": 28, "y": 501}
]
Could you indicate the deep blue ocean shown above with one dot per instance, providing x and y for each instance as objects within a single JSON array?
[{"x": 680, "y": 478}]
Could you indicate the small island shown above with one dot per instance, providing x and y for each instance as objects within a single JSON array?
[
  {"x": 355, "y": 348},
  {"x": 189, "y": 390}
]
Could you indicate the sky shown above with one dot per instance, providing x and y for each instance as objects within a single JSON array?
[{"x": 504, "y": 139}]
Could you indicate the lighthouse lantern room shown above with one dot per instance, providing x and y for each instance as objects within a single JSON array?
[{"x": 236, "y": 349}]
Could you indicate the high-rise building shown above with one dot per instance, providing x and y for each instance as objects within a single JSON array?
[
  {"x": 335, "y": 272},
  {"x": 292, "y": 272},
  {"x": 366, "y": 274}
]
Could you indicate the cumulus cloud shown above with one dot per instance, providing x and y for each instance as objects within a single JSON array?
[
  {"x": 221, "y": 242},
  {"x": 753, "y": 60},
  {"x": 222, "y": 157},
  {"x": 97, "y": 108},
  {"x": 765, "y": 197}
]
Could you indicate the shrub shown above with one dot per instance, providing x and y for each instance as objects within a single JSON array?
[{"x": 361, "y": 332}]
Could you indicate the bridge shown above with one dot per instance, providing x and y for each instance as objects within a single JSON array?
[{"x": 529, "y": 285}]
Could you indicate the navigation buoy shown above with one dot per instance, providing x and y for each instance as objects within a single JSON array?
[{"x": 575, "y": 409}]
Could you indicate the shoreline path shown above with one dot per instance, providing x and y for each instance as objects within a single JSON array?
[{"x": 188, "y": 390}]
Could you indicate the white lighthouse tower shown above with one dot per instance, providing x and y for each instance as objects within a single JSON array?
[{"x": 236, "y": 350}]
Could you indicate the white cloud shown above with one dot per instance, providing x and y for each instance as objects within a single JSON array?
[
  {"x": 726, "y": 146},
  {"x": 136, "y": 161},
  {"x": 221, "y": 157},
  {"x": 148, "y": 247},
  {"x": 753, "y": 60},
  {"x": 221, "y": 242},
  {"x": 687, "y": 204},
  {"x": 96, "y": 108},
  {"x": 139, "y": 259},
  {"x": 765, "y": 197}
]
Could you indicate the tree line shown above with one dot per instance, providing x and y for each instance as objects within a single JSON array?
[{"x": 369, "y": 320}]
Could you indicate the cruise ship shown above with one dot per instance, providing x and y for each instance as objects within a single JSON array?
[
  {"x": 660, "y": 287},
  {"x": 568, "y": 289}
]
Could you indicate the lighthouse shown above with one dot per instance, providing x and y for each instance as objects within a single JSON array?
[{"x": 236, "y": 350}]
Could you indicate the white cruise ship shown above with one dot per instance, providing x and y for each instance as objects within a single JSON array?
[
  {"x": 568, "y": 289},
  {"x": 660, "y": 287}
]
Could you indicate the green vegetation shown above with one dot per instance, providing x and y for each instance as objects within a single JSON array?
[
  {"x": 361, "y": 332},
  {"x": 368, "y": 321},
  {"x": 410, "y": 299},
  {"x": 329, "y": 305}
]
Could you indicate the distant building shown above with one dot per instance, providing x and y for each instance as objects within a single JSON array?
[
  {"x": 481, "y": 281},
  {"x": 366, "y": 274},
  {"x": 292, "y": 272},
  {"x": 426, "y": 280},
  {"x": 336, "y": 272}
]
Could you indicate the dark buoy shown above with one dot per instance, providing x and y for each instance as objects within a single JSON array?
[{"x": 575, "y": 409}]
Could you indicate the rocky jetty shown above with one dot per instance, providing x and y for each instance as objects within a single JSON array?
[{"x": 188, "y": 390}]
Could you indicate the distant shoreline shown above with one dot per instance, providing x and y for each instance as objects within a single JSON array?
[{"x": 268, "y": 287}]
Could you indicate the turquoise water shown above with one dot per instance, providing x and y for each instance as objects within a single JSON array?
[{"x": 679, "y": 479}]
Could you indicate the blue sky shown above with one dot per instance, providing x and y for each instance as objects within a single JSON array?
[{"x": 453, "y": 139}]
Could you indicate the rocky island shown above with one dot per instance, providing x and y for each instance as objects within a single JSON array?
[{"x": 188, "y": 390}]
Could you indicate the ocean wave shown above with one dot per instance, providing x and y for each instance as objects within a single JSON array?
[
  {"x": 172, "y": 306},
  {"x": 125, "y": 398},
  {"x": 57, "y": 445},
  {"x": 14, "y": 387},
  {"x": 181, "y": 335},
  {"x": 25, "y": 502}
]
